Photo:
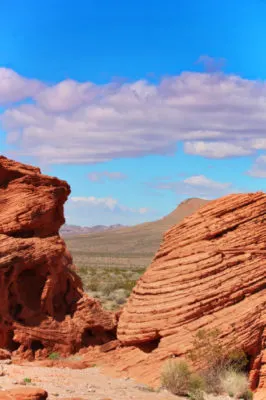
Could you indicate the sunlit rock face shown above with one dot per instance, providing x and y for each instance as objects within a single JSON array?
[
  {"x": 210, "y": 272},
  {"x": 43, "y": 307}
]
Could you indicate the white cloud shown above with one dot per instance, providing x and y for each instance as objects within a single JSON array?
[
  {"x": 258, "y": 170},
  {"x": 217, "y": 149},
  {"x": 14, "y": 87},
  {"x": 88, "y": 211},
  {"x": 107, "y": 203},
  {"x": 259, "y": 144},
  {"x": 196, "y": 186},
  {"x": 65, "y": 96},
  {"x": 216, "y": 116},
  {"x": 102, "y": 176},
  {"x": 204, "y": 182}
]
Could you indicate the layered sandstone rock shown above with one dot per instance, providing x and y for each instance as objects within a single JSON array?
[
  {"x": 210, "y": 272},
  {"x": 43, "y": 307},
  {"x": 24, "y": 394}
]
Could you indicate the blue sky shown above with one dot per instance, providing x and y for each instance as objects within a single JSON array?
[{"x": 137, "y": 104}]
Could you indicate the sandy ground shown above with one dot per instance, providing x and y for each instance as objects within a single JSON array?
[{"x": 88, "y": 384}]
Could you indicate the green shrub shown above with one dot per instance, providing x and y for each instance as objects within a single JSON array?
[
  {"x": 54, "y": 356},
  {"x": 175, "y": 377},
  {"x": 27, "y": 380}
]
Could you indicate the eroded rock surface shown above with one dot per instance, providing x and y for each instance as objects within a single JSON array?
[
  {"x": 43, "y": 307},
  {"x": 23, "y": 394},
  {"x": 210, "y": 272}
]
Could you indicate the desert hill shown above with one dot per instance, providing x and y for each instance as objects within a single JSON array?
[
  {"x": 73, "y": 230},
  {"x": 132, "y": 247}
]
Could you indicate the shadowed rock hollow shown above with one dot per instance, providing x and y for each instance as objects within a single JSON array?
[
  {"x": 210, "y": 272},
  {"x": 43, "y": 307}
]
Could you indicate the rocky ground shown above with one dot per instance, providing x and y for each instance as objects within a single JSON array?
[{"x": 87, "y": 384}]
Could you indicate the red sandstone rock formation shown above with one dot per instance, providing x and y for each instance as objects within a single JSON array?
[
  {"x": 43, "y": 307},
  {"x": 23, "y": 394},
  {"x": 210, "y": 272}
]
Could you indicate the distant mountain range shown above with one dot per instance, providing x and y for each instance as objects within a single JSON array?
[
  {"x": 73, "y": 230},
  {"x": 132, "y": 246}
]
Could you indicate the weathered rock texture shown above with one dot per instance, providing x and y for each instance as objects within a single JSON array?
[
  {"x": 43, "y": 307},
  {"x": 210, "y": 272},
  {"x": 23, "y": 394}
]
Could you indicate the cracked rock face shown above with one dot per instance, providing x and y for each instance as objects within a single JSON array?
[
  {"x": 210, "y": 272},
  {"x": 43, "y": 307}
]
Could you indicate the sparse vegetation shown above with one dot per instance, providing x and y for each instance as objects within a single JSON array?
[
  {"x": 179, "y": 380},
  {"x": 54, "y": 356},
  {"x": 111, "y": 286},
  {"x": 234, "y": 383},
  {"x": 219, "y": 370},
  {"x": 213, "y": 359},
  {"x": 27, "y": 380},
  {"x": 196, "y": 387},
  {"x": 175, "y": 377},
  {"x": 207, "y": 349},
  {"x": 247, "y": 395}
]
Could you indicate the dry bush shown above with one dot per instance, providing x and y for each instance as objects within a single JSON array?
[
  {"x": 234, "y": 383},
  {"x": 179, "y": 380},
  {"x": 207, "y": 350},
  {"x": 248, "y": 395},
  {"x": 214, "y": 360},
  {"x": 196, "y": 387},
  {"x": 175, "y": 377}
]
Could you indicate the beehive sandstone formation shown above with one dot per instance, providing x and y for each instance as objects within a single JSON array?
[
  {"x": 210, "y": 272},
  {"x": 42, "y": 308}
]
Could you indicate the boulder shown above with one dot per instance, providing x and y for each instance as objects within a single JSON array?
[
  {"x": 210, "y": 272},
  {"x": 43, "y": 308},
  {"x": 23, "y": 394}
]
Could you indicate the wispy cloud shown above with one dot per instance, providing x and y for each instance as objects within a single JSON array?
[
  {"x": 211, "y": 64},
  {"x": 217, "y": 149},
  {"x": 103, "y": 176},
  {"x": 215, "y": 115},
  {"x": 108, "y": 203},
  {"x": 87, "y": 211},
  {"x": 195, "y": 186},
  {"x": 258, "y": 170}
]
